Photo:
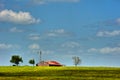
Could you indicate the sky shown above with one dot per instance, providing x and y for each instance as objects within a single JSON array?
[{"x": 60, "y": 29}]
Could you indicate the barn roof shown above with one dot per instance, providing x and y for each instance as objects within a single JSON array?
[
  {"x": 53, "y": 62},
  {"x": 50, "y": 63}
]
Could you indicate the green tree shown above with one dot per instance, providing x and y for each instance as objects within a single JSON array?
[
  {"x": 16, "y": 59},
  {"x": 32, "y": 61},
  {"x": 76, "y": 60}
]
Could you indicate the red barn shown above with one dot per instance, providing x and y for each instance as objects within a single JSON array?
[{"x": 49, "y": 63}]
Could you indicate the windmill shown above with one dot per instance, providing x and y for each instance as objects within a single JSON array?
[{"x": 40, "y": 53}]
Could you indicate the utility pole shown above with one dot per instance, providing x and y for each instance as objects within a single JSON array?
[{"x": 39, "y": 52}]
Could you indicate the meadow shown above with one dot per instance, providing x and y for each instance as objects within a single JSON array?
[{"x": 58, "y": 73}]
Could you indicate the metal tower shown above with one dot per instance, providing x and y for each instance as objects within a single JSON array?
[{"x": 40, "y": 53}]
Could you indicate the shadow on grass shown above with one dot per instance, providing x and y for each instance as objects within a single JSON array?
[
  {"x": 66, "y": 73},
  {"x": 2, "y": 74}
]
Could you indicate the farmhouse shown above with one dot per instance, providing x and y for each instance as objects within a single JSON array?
[{"x": 49, "y": 63}]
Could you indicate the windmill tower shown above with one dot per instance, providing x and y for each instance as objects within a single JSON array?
[{"x": 40, "y": 54}]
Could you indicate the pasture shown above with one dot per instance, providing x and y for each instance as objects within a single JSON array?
[{"x": 58, "y": 73}]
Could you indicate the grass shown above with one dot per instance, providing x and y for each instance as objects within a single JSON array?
[{"x": 59, "y": 73}]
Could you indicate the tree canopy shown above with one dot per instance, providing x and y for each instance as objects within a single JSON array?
[
  {"x": 76, "y": 60},
  {"x": 16, "y": 59},
  {"x": 32, "y": 61}
]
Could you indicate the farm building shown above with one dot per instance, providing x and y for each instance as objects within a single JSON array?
[{"x": 49, "y": 63}]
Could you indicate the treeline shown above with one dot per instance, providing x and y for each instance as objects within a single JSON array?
[{"x": 16, "y": 60}]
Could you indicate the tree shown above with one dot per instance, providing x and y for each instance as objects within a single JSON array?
[
  {"x": 16, "y": 59},
  {"x": 76, "y": 60},
  {"x": 32, "y": 61}
]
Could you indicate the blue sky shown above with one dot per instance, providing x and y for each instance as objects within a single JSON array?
[{"x": 61, "y": 29}]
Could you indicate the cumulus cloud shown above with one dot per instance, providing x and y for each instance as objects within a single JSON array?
[
  {"x": 14, "y": 29},
  {"x": 17, "y": 17},
  {"x": 108, "y": 33},
  {"x": 34, "y": 46},
  {"x": 105, "y": 50},
  {"x": 112, "y": 22},
  {"x": 58, "y": 33},
  {"x": 51, "y": 34},
  {"x": 7, "y": 46},
  {"x": 70, "y": 45},
  {"x": 47, "y": 52},
  {"x": 48, "y": 1},
  {"x": 34, "y": 36},
  {"x": 118, "y": 21},
  {"x": 38, "y": 1}
]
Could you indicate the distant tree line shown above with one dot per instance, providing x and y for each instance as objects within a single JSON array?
[{"x": 16, "y": 60}]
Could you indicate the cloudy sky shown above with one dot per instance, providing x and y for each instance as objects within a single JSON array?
[{"x": 61, "y": 29}]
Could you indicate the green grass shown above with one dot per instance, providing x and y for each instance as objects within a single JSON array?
[{"x": 59, "y": 73}]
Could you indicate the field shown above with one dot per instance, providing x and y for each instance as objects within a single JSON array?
[{"x": 59, "y": 73}]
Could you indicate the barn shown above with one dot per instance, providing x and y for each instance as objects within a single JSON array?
[{"x": 49, "y": 63}]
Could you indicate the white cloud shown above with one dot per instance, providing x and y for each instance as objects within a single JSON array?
[
  {"x": 92, "y": 50},
  {"x": 108, "y": 33},
  {"x": 14, "y": 29},
  {"x": 105, "y": 50},
  {"x": 58, "y": 33},
  {"x": 70, "y": 45},
  {"x": 112, "y": 22},
  {"x": 34, "y": 36},
  {"x": 48, "y": 1},
  {"x": 34, "y": 46},
  {"x": 17, "y": 17},
  {"x": 7, "y": 46},
  {"x": 47, "y": 52},
  {"x": 118, "y": 21},
  {"x": 38, "y": 1}
]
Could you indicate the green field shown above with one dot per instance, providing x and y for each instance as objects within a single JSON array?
[{"x": 59, "y": 73}]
